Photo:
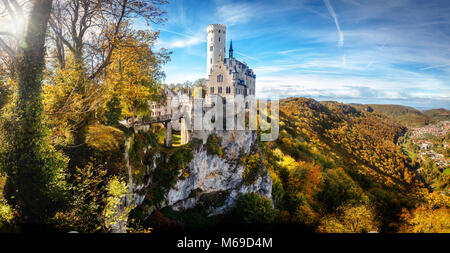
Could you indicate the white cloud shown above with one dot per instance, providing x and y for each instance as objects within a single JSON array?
[{"x": 181, "y": 43}]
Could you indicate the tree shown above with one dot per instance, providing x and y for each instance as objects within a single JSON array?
[
  {"x": 33, "y": 167},
  {"x": 350, "y": 219},
  {"x": 86, "y": 35},
  {"x": 95, "y": 27},
  {"x": 426, "y": 219},
  {"x": 253, "y": 208},
  {"x": 134, "y": 72}
]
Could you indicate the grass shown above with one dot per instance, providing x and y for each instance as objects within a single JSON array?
[
  {"x": 176, "y": 140},
  {"x": 447, "y": 171},
  {"x": 160, "y": 135}
]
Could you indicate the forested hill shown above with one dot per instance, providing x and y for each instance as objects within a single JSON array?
[
  {"x": 407, "y": 116},
  {"x": 438, "y": 114},
  {"x": 333, "y": 161}
]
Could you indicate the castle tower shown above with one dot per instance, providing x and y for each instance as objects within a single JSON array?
[{"x": 216, "y": 47}]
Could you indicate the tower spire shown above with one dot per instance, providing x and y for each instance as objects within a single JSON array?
[{"x": 231, "y": 49}]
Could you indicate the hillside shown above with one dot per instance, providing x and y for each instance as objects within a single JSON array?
[
  {"x": 408, "y": 116},
  {"x": 440, "y": 114},
  {"x": 332, "y": 158}
]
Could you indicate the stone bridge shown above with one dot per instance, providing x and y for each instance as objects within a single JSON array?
[{"x": 166, "y": 120}]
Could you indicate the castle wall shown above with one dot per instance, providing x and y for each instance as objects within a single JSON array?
[{"x": 227, "y": 71}]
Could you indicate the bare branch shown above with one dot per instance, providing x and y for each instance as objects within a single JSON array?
[{"x": 8, "y": 49}]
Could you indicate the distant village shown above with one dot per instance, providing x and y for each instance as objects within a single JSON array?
[{"x": 427, "y": 148}]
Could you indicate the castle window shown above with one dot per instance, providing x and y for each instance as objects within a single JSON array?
[
  {"x": 211, "y": 48},
  {"x": 219, "y": 39},
  {"x": 219, "y": 90},
  {"x": 228, "y": 89},
  {"x": 210, "y": 60},
  {"x": 212, "y": 90}
]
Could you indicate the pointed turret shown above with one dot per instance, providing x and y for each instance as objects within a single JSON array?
[{"x": 231, "y": 50}]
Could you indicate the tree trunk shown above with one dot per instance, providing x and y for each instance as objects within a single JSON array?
[{"x": 26, "y": 173}]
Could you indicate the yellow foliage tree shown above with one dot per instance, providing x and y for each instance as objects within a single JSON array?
[
  {"x": 426, "y": 219},
  {"x": 132, "y": 74},
  {"x": 350, "y": 219}
]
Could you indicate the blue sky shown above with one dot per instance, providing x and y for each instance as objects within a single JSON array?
[{"x": 363, "y": 51}]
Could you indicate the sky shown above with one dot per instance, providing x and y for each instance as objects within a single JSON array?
[{"x": 351, "y": 51}]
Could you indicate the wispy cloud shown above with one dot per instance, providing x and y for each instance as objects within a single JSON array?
[
  {"x": 246, "y": 56},
  {"x": 336, "y": 21},
  {"x": 235, "y": 13},
  {"x": 176, "y": 33},
  {"x": 436, "y": 66},
  {"x": 182, "y": 43}
]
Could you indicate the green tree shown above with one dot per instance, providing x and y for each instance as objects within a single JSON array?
[{"x": 253, "y": 208}]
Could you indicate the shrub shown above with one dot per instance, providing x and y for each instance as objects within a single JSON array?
[
  {"x": 116, "y": 215},
  {"x": 252, "y": 167},
  {"x": 253, "y": 208},
  {"x": 213, "y": 145},
  {"x": 6, "y": 212}
]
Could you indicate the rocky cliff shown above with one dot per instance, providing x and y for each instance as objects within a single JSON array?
[
  {"x": 218, "y": 174},
  {"x": 210, "y": 171}
]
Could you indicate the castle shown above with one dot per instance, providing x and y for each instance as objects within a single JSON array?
[{"x": 226, "y": 79}]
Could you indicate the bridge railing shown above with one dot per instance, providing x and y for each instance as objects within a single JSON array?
[{"x": 156, "y": 119}]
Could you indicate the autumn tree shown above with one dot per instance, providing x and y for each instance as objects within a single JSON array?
[
  {"x": 350, "y": 219},
  {"x": 134, "y": 73},
  {"x": 90, "y": 30},
  {"x": 85, "y": 35},
  {"x": 426, "y": 219}
]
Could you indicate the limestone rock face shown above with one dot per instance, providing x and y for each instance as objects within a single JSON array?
[{"x": 215, "y": 181}]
